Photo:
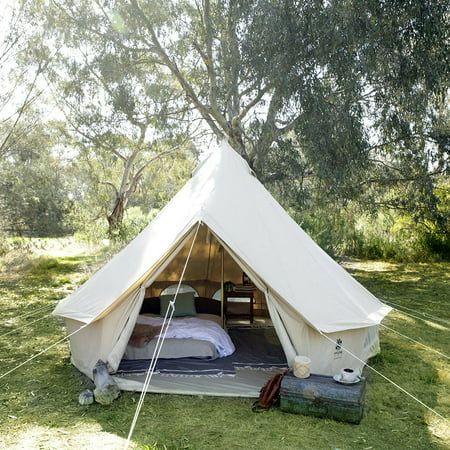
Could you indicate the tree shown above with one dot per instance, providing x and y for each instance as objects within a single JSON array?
[
  {"x": 34, "y": 194},
  {"x": 319, "y": 97},
  {"x": 18, "y": 83},
  {"x": 120, "y": 111},
  {"x": 92, "y": 200},
  {"x": 330, "y": 82}
]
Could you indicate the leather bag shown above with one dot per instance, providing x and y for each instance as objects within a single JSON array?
[{"x": 269, "y": 395}]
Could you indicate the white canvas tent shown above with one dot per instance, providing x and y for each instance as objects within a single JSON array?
[{"x": 307, "y": 293}]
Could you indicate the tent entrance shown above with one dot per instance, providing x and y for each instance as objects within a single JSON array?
[
  {"x": 204, "y": 276},
  {"x": 258, "y": 352}
]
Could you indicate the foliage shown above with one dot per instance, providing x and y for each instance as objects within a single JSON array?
[
  {"x": 33, "y": 186},
  {"x": 122, "y": 115},
  {"x": 340, "y": 108},
  {"x": 133, "y": 223},
  {"x": 329, "y": 83},
  {"x": 344, "y": 89},
  {"x": 19, "y": 89},
  {"x": 92, "y": 199},
  {"x": 38, "y": 402},
  {"x": 391, "y": 235},
  {"x": 365, "y": 78},
  {"x": 349, "y": 232}
]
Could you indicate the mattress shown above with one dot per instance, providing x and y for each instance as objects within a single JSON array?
[
  {"x": 177, "y": 348},
  {"x": 174, "y": 348}
]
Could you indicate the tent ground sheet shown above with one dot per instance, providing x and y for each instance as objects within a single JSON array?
[{"x": 245, "y": 383}]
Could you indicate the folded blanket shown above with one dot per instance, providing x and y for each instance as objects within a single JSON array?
[
  {"x": 194, "y": 328},
  {"x": 143, "y": 334}
]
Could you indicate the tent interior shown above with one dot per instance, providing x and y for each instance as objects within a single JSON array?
[
  {"x": 204, "y": 271},
  {"x": 244, "y": 316}
]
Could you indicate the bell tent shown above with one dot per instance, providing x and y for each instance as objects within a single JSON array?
[{"x": 221, "y": 224}]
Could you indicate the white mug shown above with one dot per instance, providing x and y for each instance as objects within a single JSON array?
[{"x": 349, "y": 375}]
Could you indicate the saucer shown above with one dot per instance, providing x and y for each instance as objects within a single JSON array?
[{"x": 338, "y": 379}]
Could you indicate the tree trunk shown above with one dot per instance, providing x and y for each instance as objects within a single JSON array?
[{"x": 115, "y": 219}]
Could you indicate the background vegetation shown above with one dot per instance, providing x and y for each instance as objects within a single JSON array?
[{"x": 341, "y": 108}]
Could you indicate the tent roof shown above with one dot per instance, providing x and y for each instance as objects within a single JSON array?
[{"x": 224, "y": 195}]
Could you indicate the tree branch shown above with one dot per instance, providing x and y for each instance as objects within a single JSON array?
[
  {"x": 209, "y": 54},
  {"x": 27, "y": 101},
  {"x": 108, "y": 183},
  {"x": 210, "y": 115},
  {"x": 252, "y": 103}
]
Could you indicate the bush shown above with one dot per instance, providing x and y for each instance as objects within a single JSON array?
[
  {"x": 348, "y": 232},
  {"x": 92, "y": 231},
  {"x": 134, "y": 222}
]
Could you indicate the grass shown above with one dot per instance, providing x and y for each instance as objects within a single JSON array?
[{"x": 39, "y": 408}]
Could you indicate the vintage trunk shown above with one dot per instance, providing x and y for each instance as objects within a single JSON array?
[{"x": 323, "y": 397}]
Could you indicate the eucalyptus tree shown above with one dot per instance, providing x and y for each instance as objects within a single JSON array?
[
  {"x": 123, "y": 113},
  {"x": 121, "y": 117},
  {"x": 330, "y": 100},
  {"x": 325, "y": 97},
  {"x": 318, "y": 77}
]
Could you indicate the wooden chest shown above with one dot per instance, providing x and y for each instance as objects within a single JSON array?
[{"x": 321, "y": 396}]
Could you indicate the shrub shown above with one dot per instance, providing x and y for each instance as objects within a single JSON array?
[{"x": 348, "y": 232}]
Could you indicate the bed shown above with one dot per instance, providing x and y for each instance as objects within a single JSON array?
[{"x": 201, "y": 336}]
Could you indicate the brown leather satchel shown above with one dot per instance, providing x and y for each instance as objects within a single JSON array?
[{"x": 269, "y": 395}]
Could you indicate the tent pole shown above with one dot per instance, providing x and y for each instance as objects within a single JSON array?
[
  {"x": 221, "y": 290},
  {"x": 208, "y": 237}
]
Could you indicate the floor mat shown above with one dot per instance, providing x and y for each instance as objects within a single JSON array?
[
  {"x": 180, "y": 366},
  {"x": 256, "y": 348},
  {"x": 246, "y": 383}
]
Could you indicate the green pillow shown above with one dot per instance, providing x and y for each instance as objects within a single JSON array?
[{"x": 184, "y": 304}]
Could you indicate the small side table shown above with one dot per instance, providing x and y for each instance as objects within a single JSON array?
[{"x": 233, "y": 294}]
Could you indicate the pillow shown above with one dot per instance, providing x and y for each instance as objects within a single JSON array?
[
  {"x": 205, "y": 305},
  {"x": 150, "y": 306},
  {"x": 184, "y": 304},
  {"x": 143, "y": 334}
]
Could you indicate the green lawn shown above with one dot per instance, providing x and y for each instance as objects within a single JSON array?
[{"x": 39, "y": 408}]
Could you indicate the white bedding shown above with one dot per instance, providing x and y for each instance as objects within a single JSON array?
[{"x": 195, "y": 328}]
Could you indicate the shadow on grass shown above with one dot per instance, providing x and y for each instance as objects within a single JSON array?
[{"x": 43, "y": 283}]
